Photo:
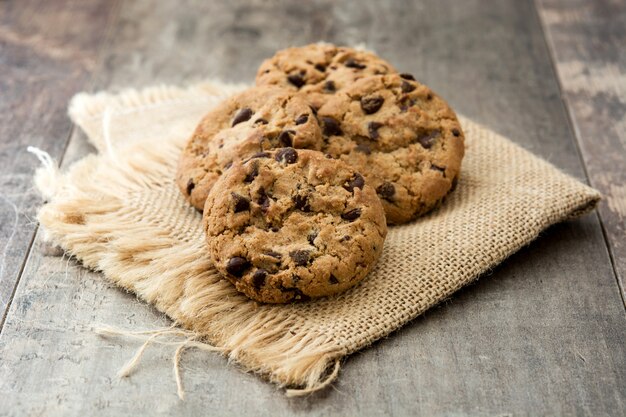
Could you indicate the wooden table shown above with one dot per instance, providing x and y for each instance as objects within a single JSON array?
[{"x": 542, "y": 334}]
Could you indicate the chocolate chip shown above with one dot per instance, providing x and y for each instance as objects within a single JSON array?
[
  {"x": 333, "y": 279},
  {"x": 405, "y": 103},
  {"x": 285, "y": 138},
  {"x": 427, "y": 140},
  {"x": 329, "y": 86},
  {"x": 371, "y": 105},
  {"x": 364, "y": 148},
  {"x": 351, "y": 63},
  {"x": 320, "y": 67},
  {"x": 228, "y": 165},
  {"x": 352, "y": 214},
  {"x": 263, "y": 200},
  {"x": 288, "y": 155},
  {"x": 357, "y": 181},
  {"x": 302, "y": 119},
  {"x": 372, "y": 128},
  {"x": 243, "y": 115},
  {"x": 386, "y": 191},
  {"x": 273, "y": 254},
  {"x": 456, "y": 132},
  {"x": 258, "y": 278},
  {"x": 300, "y": 257},
  {"x": 345, "y": 238},
  {"x": 437, "y": 168},
  {"x": 241, "y": 202},
  {"x": 300, "y": 296},
  {"x": 314, "y": 110},
  {"x": 311, "y": 237},
  {"x": 301, "y": 202},
  {"x": 331, "y": 126},
  {"x": 237, "y": 265},
  {"x": 407, "y": 87},
  {"x": 190, "y": 186},
  {"x": 407, "y": 76},
  {"x": 253, "y": 173},
  {"x": 296, "y": 80},
  {"x": 260, "y": 155},
  {"x": 260, "y": 122}
]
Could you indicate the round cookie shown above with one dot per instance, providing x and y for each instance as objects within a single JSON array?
[
  {"x": 255, "y": 120},
  {"x": 320, "y": 70},
  {"x": 401, "y": 136},
  {"x": 292, "y": 224}
]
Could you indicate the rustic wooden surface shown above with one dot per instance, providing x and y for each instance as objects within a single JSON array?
[
  {"x": 47, "y": 53},
  {"x": 541, "y": 335},
  {"x": 588, "y": 41}
]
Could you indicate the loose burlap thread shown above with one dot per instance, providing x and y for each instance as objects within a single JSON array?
[{"x": 119, "y": 212}]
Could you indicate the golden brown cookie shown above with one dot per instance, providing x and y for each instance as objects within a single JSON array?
[
  {"x": 320, "y": 70},
  {"x": 255, "y": 120},
  {"x": 292, "y": 224},
  {"x": 404, "y": 139}
]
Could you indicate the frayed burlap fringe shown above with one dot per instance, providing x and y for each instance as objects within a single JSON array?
[
  {"x": 153, "y": 337},
  {"x": 120, "y": 212}
]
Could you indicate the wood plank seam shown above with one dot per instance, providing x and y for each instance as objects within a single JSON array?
[
  {"x": 576, "y": 139},
  {"x": 30, "y": 244},
  {"x": 19, "y": 275},
  {"x": 108, "y": 32}
]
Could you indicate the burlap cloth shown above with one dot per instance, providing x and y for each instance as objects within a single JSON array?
[{"x": 119, "y": 212}]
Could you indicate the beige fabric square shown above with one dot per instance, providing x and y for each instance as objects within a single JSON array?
[{"x": 120, "y": 212}]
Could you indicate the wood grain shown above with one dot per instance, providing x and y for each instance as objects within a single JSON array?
[
  {"x": 541, "y": 335},
  {"x": 587, "y": 41},
  {"x": 47, "y": 52}
]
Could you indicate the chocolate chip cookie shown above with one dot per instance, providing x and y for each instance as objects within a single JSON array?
[
  {"x": 292, "y": 224},
  {"x": 320, "y": 70},
  {"x": 404, "y": 139},
  {"x": 253, "y": 121}
]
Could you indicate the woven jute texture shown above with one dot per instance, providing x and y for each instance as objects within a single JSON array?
[{"x": 120, "y": 212}]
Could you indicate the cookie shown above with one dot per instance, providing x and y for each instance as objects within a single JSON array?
[
  {"x": 253, "y": 121},
  {"x": 404, "y": 139},
  {"x": 320, "y": 70},
  {"x": 292, "y": 224}
]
